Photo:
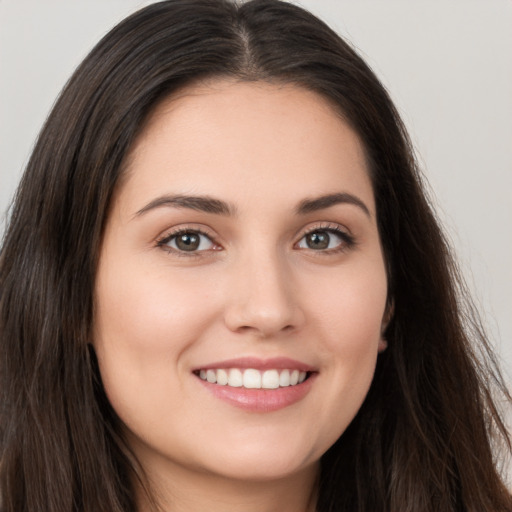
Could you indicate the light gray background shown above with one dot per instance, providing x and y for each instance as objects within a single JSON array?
[{"x": 447, "y": 64}]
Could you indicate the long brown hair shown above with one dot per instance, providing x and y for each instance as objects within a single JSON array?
[{"x": 425, "y": 438}]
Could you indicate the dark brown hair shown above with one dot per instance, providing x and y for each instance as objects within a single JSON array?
[{"x": 423, "y": 439}]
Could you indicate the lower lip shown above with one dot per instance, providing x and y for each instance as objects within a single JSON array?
[{"x": 261, "y": 400}]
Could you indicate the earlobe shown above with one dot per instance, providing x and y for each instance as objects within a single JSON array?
[{"x": 388, "y": 315}]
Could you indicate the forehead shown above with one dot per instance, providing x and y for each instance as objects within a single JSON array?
[{"x": 263, "y": 137}]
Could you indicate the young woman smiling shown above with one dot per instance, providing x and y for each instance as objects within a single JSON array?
[{"x": 223, "y": 288}]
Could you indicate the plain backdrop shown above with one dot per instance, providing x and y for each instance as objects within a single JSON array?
[{"x": 446, "y": 63}]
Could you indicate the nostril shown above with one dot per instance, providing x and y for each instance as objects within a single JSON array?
[
  {"x": 262, "y": 314},
  {"x": 264, "y": 331}
]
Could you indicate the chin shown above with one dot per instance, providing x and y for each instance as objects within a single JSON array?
[
  {"x": 262, "y": 460},
  {"x": 262, "y": 469}
]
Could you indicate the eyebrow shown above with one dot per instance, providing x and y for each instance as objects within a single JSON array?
[
  {"x": 200, "y": 203},
  {"x": 322, "y": 202},
  {"x": 209, "y": 204}
]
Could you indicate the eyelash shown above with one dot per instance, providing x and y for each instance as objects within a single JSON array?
[
  {"x": 168, "y": 237},
  {"x": 348, "y": 241}
]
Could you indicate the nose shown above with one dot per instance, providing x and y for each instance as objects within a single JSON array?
[{"x": 262, "y": 298}]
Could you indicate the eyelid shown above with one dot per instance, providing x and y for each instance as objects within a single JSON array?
[
  {"x": 348, "y": 240},
  {"x": 342, "y": 232},
  {"x": 168, "y": 235},
  {"x": 324, "y": 226}
]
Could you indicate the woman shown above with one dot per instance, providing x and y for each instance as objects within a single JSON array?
[{"x": 223, "y": 287}]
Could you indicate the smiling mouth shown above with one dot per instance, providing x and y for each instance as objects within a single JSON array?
[{"x": 251, "y": 378}]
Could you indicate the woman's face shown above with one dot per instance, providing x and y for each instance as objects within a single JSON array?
[{"x": 241, "y": 286}]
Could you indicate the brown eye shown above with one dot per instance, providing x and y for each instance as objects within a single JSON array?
[
  {"x": 326, "y": 240},
  {"x": 188, "y": 241},
  {"x": 318, "y": 240}
]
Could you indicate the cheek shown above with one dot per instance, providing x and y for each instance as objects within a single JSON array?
[
  {"x": 150, "y": 313},
  {"x": 350, "y": 305},
  {"x": 348, "y": 320},
  {"x": 143, "y": 324}
]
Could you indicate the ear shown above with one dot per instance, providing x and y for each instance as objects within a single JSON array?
[{"x": 388, "y": 315}]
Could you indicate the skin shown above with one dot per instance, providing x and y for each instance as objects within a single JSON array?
[{"x": 254, "y": 288}]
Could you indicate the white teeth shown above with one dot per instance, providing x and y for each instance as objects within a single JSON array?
[
  {"x": 222, "y": 377},
  {"x": 284, "y": 378},
  {"x": 270, "y": 379},
  {"x": 235, "y": 379},
  {"x": 253, "y": 379}
]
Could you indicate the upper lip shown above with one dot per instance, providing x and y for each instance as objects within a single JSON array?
[{"x": 275, "y": 363}]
